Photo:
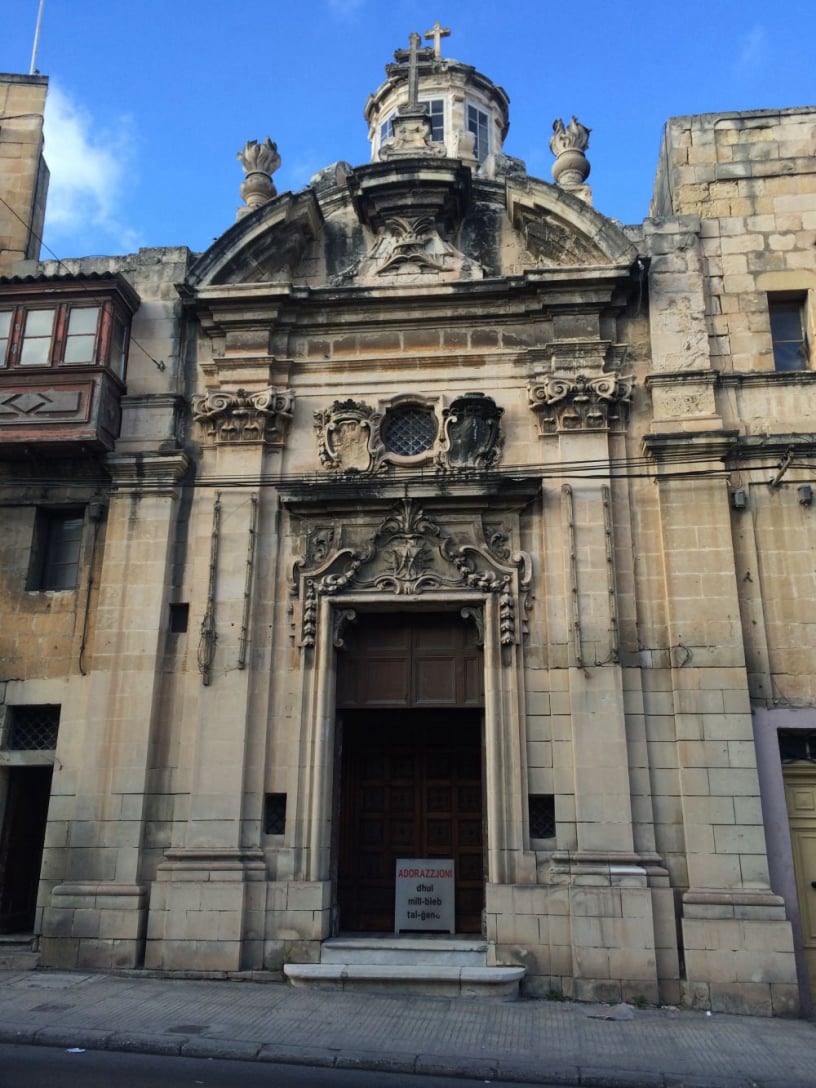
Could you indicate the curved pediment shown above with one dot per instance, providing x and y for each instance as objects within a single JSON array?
[
  {"x": 560, "y": 230},
  {"x": 264, "y": 246}
]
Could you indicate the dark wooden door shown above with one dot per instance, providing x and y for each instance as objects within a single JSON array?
[
  {"x": 411, "y": 788},
  {"x": 21, "y": 846}
]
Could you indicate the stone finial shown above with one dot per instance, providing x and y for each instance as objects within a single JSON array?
[
  {"x": 259, "y": 161},
  {"x": 571, "y": 167}
]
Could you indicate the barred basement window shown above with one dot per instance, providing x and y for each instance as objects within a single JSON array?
[
  {"x": 275, "y": 814},
  {"x": 409, "y": 430},
  {"x": 542, "y": 815},
  {"x": 32, "y": 728}
]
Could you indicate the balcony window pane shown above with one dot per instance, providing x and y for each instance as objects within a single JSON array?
[
  {"x": 5, "y": 332},
  {"x": 118, "y": 348},
  {"x": 37, "y": 336},
  {"x": 81, "y": 339}
]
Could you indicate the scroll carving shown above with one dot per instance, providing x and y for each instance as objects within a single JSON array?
[{"x": 408, "y": 553}]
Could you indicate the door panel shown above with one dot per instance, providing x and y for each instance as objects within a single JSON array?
[
  {"x": 428, "y": 660},
  {"x": 411, "y": 787},
  {"x": 800, "y": 793}
]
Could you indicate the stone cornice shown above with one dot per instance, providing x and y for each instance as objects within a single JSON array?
[{"x": 144, "y": 472}]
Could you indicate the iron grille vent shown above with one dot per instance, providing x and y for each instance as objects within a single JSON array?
[
  {"x": 32, "y": 728},
  {"x": 409, "y": 431},
  {"x": 275, "y": 814},
  {"x": 542, "y": 815},
  {"x": 794, "y": 747}
]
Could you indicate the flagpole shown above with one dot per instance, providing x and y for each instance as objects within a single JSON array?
[{"x": 33, "y": 70}]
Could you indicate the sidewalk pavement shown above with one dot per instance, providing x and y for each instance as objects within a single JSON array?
[{"x": 531, "y": 1041}]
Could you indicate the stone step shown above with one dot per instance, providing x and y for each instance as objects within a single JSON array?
[
  {"x": 439, "y": 980},
  {"x": 405, "y": 951},
  {"x": 16, "y": 953}
]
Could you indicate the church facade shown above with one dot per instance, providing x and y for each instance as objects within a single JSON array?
[{"x": 430, "y": 522}]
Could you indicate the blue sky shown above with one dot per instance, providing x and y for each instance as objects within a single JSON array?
[{"x": 150, "y": 101}]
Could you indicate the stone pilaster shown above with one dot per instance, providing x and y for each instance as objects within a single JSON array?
[
  {"x": 208, "y": 899},
  {"x": 729, "y": 910},
  {"x": 97, "y": 914}
]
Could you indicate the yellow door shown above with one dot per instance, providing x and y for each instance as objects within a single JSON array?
[{"x": 800, "y": 792}]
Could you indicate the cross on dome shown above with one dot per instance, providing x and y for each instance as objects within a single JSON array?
[
  {"x": 437, "y": 33},
  {"x": 414, "y": 55}
]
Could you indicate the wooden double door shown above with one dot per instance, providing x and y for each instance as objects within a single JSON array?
[
  {"x": 410, "y": 698},
  {"x": 412, "y": 788}
]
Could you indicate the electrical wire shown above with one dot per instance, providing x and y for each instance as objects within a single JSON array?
[{"x": 61, "y": 263}]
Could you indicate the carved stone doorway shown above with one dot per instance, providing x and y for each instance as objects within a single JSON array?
[{"x": 410, "y": 734}]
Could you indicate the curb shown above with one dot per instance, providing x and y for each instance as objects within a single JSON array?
[{"x": 421, "y": 1064}]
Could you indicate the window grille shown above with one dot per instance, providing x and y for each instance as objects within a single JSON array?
[
  {"x": 275, "y": 814},
  {"x": 32, "y": 728},
  {"x": 409, "y": 431},
  {"x": 542, "y": 815}
]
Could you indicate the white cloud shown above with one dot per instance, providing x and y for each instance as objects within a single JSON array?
[
  {"x": 88, "y": 167},
  {"x": 750, "y": 51},
  {"x": 345, "y": 9}
]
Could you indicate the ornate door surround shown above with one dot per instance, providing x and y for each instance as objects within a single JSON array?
[{"x": 430, "y": 553}]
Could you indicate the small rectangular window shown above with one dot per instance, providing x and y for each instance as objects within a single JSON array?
[
  {"x": 179, "y": 618},
  {"x": 436, "y": 112},
  {"x": 55, "y": 554},
  {"x": 275, "y": 814},
  {"x": 542, "y": 815},
  {"x": 788, "y": 331},
  {"x": 32, "y": 728},
  {"x": 38, "y": 333},
  {"x": 478, "y": 124}
]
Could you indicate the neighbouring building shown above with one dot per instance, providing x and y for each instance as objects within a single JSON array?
[{"x": 430, "y": 519}]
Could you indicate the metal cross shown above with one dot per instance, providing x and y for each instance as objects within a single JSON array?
[
  {"x": 437, "y": 32},
  {"x": 413, "y": 56}
]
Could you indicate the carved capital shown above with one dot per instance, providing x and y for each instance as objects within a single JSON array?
[
  {"x": 580, "y": 403},
  {"x": 243, "y": 416}
]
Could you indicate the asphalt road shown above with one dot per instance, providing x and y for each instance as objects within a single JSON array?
[{"x": 52, "y": 1067}]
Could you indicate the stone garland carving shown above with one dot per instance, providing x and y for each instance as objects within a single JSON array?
[
  {"x": 407, "y": 554},
  {"x": 414, "y": 246},
  {"x": 580, "y": 403},
  {"x": 243, "y": 416},
  {"x": 349, "y": 436}
]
